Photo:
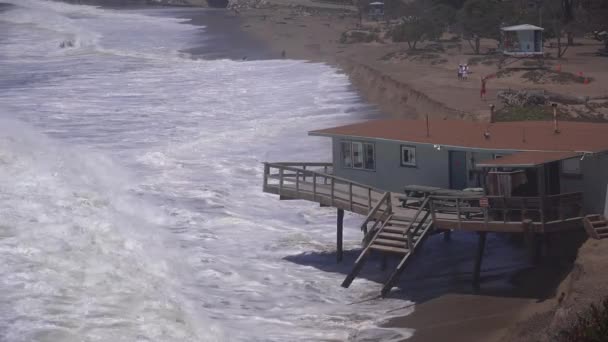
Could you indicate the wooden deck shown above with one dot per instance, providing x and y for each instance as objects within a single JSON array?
[
  {"x": 400, "y": 222},
  {"x": 314, "y": 182}
]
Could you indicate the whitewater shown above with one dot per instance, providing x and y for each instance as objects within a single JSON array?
[{"x": 130, "y": 188}]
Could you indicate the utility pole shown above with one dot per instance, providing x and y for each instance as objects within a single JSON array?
[{"x": 539, "y": 9}]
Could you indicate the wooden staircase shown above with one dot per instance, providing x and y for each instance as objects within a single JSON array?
[
  {"x": 397, "y": 235},
  {"x": 596, "y": 226}
]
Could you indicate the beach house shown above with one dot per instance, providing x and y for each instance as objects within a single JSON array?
[
  {"x": 392, "y": 154},
  {"x": 413, "y": 178}
]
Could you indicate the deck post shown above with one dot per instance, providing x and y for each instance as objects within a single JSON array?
[
  {"x": 266, "y": 173},
  {"x": 350, "y": 196},
  {"x": 542, "y": 193},
  {"x": 314, "y": 187},
  {"x": 477, "y": 270},
  {"x": 538, "y": 248},
  {"x": 333, "y": 187},
  {"x": 281, "y": 181},
  {"x": 340, "y": 228},
  {"x": 297, "y": 183}
]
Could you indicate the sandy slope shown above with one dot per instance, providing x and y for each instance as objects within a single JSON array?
[{"x": 386, "y": 76}]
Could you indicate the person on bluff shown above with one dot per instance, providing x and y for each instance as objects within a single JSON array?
[{"x": 483, "y": 90}]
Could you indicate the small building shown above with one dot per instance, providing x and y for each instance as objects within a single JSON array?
[
  {"x": 522, "y": 40},
  {"x": 390, "y": 154},
  {"x": 376, "y": 10}
]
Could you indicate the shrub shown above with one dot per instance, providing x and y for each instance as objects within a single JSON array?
[{"x": 591, "y": 326}]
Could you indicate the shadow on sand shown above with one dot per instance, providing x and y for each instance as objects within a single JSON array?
[{"x": 441, "y": 267}]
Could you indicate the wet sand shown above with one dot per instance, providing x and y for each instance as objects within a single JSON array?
[{"x": 224, "y": 38}]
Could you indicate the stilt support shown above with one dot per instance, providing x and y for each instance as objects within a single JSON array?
[
  {"x": 477, "y": 271},
  {"x": 384, "y": 263},
  {"x": 447, "y": 235},
  {"x": 339, "y": 228},
  {"x": 538, "y": 248}
]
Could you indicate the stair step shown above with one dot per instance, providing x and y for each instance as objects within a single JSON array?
[
  {"x": 388, "y": 242},
  {"x": 393, "y": 236},
  {"x": 388, "y": 249},
  {"x": 396, "y": 230},
  {"x": 398, "y": 223},
  {"x": 600, "y": 230},
  {"x": 594, "y": 217},
  {"x": 398, "y": 218},
  {"x": 602, "y": 236},
  {"x": 599, "y": 223}
]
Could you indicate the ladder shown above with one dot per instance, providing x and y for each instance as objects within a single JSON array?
[
  {"x": 596, "y": 226},
  {"x": 397, "y": 235}
]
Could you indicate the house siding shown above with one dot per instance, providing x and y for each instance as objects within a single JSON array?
[
  {"x": 432, "y": 165},
  {"x": 594, "y": 182},
  {"x": 433, "y": 169}
]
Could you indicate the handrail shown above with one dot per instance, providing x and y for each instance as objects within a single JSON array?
[
  {"x": 300, "y": 164},
  {"x": 339, "y": 188},
  {"x": 373, "y": 212},
  {"x": 421, "y": 209},
  {"x": 346, "y": 181},
  {"x": 560, "y": 206}
]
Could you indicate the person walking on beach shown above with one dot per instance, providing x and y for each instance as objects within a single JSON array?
[
  {"x": 483, "y": 90},
  {"x": 460, "y": 71},
  {"x": 465, "y": 72}
]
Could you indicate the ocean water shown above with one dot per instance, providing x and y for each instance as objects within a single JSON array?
[{"x": 130, "y": 188}]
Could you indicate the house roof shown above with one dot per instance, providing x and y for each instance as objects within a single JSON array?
[
  {"x": 524, "y": 27},
  {"x": 510, "y": 136},
  {"x": 527, "y": 159}
]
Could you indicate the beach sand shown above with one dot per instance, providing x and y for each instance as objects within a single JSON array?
[{"x": 405, "y": 85}]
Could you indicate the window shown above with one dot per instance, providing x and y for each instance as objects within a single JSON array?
[
  {"x": 347, "y": 160},
  {"x": 571, "y": 167},
  {"x": 358, "y": 155},
  {"x": 408, "y": 156},
  {"x": 370, "y": 158}
]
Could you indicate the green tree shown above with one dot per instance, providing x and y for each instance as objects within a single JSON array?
[
  {"x": 560, "y": 20},
  {"x": 482, "y": 19},
  {"x": 426, "y": 21}
]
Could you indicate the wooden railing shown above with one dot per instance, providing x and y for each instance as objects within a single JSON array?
[
  {"x": 301, "y": 181},
  {"x": 510, "y": 209},
  {"x": 378, "y": 212}
]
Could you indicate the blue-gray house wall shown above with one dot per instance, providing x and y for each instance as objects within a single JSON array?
[
  {"x": 433, "y": 169},
  {"x": 432, "y": 165},
  {"x": 592, "y": 182}
]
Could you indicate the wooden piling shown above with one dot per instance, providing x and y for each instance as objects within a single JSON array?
[
  {"x": 477, "y": 271},
  {"x": 339, "y": 230}
]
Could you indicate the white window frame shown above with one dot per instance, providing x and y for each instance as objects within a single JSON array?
[
  {"x": 363, "y": 147},
  {"x": 357, "y": 146},
  {"x": 346, "y": 161},
  {"x": 365, "y": 156},
  {"x": 411, "y": 155}
]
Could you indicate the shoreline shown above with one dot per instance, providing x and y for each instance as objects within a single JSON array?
[{"x": 412, "y": 85}]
